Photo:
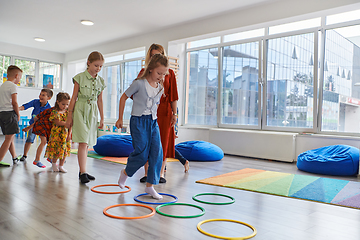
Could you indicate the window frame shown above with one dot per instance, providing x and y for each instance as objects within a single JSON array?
[
  {"x": 315, "y": 86},
  {"x": 241, "y": 126},
  {"x": 186, "y": 89},
  {"x": 120, "y": 63},
  {"x": 322, "y": 62},
  {"x": 38, "y": 84}
]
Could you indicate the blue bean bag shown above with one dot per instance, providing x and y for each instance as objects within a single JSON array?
[
  {"x": 114, "y": 145},
  {"x": 338, "y": 160},
  {"x": 200, "y": 151}
]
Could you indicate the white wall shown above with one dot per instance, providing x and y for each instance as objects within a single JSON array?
[{"x": 15, "y": 50}]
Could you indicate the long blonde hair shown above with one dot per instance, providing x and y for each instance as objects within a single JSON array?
[
  {"x": 94, "y": 56},
  {"x": 155, "y": 61},
  {"x": 154, "y": 46}
]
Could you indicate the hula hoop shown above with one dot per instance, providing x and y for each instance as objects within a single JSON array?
[
  {"x": 216, "y": 194},
  {"x": 226, "y": 220},
  {"x": 103, "y": 185},
  {"x": 158, "y": 203},
  {"x": 139, "y": 205},
  {"x": 176, "y": 216}
]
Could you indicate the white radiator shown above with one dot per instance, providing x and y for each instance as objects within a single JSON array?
[{"x": 257, "y": 144}]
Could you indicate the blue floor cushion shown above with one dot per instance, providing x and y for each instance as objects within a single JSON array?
[
  {"x": 200, "y": 151},
  {"x": 338, "y": 160},
  {"x": 113, "y": 145}
]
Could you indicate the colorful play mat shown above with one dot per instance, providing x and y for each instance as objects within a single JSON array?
[{"x": 319, "y": 189}]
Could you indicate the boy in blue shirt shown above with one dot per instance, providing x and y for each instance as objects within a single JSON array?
[
  {"x": 9, "y": 112},
  {"x": 39, "y": 105}
]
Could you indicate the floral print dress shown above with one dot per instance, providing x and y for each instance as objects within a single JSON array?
[{"x": 58, "y": 147}]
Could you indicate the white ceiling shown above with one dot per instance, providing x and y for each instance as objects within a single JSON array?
[{"x": 58, "y": 21}]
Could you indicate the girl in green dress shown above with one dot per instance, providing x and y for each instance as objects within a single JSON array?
[{"x": 85, "y": 103}]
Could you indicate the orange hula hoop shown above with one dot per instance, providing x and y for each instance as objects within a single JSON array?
[
  {"x": 104, "y": 185},
  {"x": 129, "y": 204}
]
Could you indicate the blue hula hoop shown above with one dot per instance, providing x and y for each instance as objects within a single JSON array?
[{"x": 157, "y": 203}]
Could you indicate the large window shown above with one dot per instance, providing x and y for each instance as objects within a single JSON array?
[
  {"x": 35, "y": 73},
  {"x": 341, "y": 85},
  {"x": 290, "y": 76},
  {"x": 202, "y": 87},
  {"x": 118, "y": 78},
  {"x": 111, "y": 92},
  {"x": 240, "y": 84},
  {"x": 131, "y": 71},
  {"x": 299, "y": 76}
]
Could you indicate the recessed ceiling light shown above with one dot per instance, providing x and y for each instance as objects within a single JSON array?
[
  {"x": 87, "y": 22},
  {"x": 39, "y": 39}
]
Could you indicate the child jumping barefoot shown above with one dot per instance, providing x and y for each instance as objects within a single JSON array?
[
  {"x": 146, "y": 92},
  {"x": 59, "y": 143}
]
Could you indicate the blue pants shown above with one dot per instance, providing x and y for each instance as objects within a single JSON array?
[
  {"x": 31, "y": 137},
  {"x": 147, "y": 147}
]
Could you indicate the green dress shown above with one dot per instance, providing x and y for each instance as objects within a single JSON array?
[{"x": 85, "y": 115}]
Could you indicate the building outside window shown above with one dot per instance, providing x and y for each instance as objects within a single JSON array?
[
  {"x": 202, "y": 87},
  {"x": 341, "y": 90},
  {"x": 290, "y": 62},
  {"x": 118, "y": 78},
  {"x": 131, "y": 71},
  {"x": 240, "y": 84},
  {"x": 290, "y": 76}
]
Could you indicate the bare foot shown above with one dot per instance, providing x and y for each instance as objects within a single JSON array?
[{"x": 187, "y": 166}]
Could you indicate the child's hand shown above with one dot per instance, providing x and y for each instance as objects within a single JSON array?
[
  {"x": 68, "y": 123},
  {"x": 101, "y": 124},
  {"x": 119, "y": 123},
  {"x": 68, "y": 138},
  {"x": 26, "y": 128}
]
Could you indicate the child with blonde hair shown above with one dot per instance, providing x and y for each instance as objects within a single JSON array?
[
  {"x": 85, "y": 103},
  {"x": 146, "y": 92},
  {"x": 9, "y": 113}
]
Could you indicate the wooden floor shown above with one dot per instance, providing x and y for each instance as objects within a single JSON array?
[{"x": 39, "y": 204}]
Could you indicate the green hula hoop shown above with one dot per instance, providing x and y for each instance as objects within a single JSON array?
[
  {"x": 216, "y": 194},
  {"x": 177, "y": 216}
]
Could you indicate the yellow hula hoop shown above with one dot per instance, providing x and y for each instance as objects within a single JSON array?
[{"x": 226, "y": 220}]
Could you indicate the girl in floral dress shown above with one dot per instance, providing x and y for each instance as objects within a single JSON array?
[{"x": 59, "y": 143}]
